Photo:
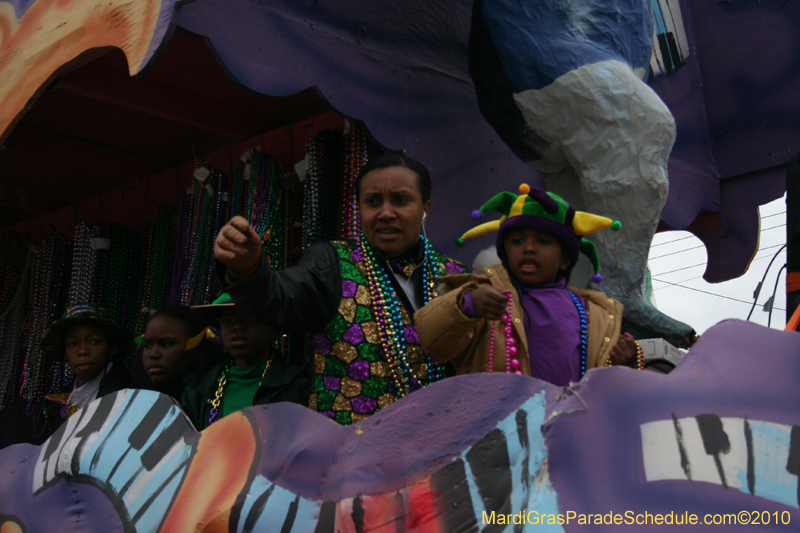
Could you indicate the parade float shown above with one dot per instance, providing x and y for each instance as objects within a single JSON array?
[{"x": 131, "y": 131}]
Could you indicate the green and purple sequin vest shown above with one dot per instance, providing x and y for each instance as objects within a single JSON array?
[{"x": 352, "y": 374}]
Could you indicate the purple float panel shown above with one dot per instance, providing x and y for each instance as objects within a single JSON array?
[
  {"x": 401, "y": 67},
  {"x": 735, "y": 105},
  {"x": 719, "y": 434}
]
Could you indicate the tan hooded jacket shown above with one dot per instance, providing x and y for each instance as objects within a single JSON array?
[{"x": 447, "y": 334}]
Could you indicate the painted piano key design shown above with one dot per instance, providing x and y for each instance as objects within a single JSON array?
[
  {"x": 504, "y": 473},
  {"x": 143, "y": 454},
  {"x": 670, "y": 46},
  {"x": 753, "y": 456},
  {"x": 135, "y": 444}
]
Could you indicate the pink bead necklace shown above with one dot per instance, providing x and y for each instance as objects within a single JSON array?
[{"x": 512, "y": 362}]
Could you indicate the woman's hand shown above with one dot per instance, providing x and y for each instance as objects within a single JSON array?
[
  {"x": 490, "y": 302},
  {"x": 238, "y": 247},
  {"x": 624, "y": 353}
]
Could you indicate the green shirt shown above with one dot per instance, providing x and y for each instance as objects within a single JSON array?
[{"x": 241, "y": 387}]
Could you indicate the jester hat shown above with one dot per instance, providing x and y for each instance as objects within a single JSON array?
[
  {"x": 54, "y": 338},
  {"x": 535, "y": 208}
]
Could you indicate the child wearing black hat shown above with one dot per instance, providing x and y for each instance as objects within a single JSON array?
[
  {"x": 251, "y": 373},
  {"x": 520, "y": 316},
  {"x": 92, "y": 344}
]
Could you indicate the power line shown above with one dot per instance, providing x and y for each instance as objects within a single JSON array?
[
  {"x": 687, "y": 249},
  {"x": 706, "y": 292},
  {"x": 701, "y": 246},
  {"x": 673, "y": 240},
  {"x": 704, "y": 264},
  {"x": 678, "y": 252},
  {"x": 693, "y": 236},
  {"x": 773, "y": 215},
  {"x": 679, "y": 269}
]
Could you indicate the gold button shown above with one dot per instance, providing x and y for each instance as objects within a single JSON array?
[
  {"x": 610, "y": 301},
  {"x": 516, "y": 320},
  {"x": 489, "y": 270},
  {"x": 607, "y": 339},
  {"x": 610, "y": 316}
]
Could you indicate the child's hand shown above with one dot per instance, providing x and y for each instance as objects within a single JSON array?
[
  {"x": 624, "y": 353},
  {"x": 490, "y": 302}
]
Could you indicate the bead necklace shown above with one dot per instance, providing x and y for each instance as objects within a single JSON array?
[
  {"x": 512, "y": 361},
  {"x": 223, "y": 380},
  {"x": 201, "y": 201},
  {"x": 639, "y": 357},
  {"x": 311, "y": 196},
  {"x": 322, "y": 187},
  {"x": 48, "y": 278},
  {"x": 12, "y": 324},
  {"x": 181, "y": 249},
  {"x": 355, "y": 157},
  {"x": 331, "y": 164},
  {"x": 390, "y": 321},
  {"x": 14, "y": 246}
]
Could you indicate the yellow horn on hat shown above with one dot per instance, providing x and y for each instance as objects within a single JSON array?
[
  {"x": 586, "y": 223},
  {"x": 483, "y": 229}
]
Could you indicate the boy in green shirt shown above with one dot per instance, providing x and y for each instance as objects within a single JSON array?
[{"x": 252, "y": 373}]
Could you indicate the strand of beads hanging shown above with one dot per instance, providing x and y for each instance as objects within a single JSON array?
[
  {"x": 179, "y": 260},
  {"x": 355, "y": 157},
  {"x": 11, "y": 324},
  {"x": 198, "y": 282},
  {"x": 223, "y": 380},
  {"x": 390, "y": 320},
  {"x": 584, "y": 329},
  {"x": 639, "y": 356},
  {"x": 14, "y": 247},
  {"x": 331, "y": 165},
  {"x": 311, "y": 195},
  {"x": 512, "y": 361}
]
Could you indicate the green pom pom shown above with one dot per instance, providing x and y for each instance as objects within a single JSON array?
[
  {"x": 460, "y": 242},
  {"x": 616, "y": 225}
]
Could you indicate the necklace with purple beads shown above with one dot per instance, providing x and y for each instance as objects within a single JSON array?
[
  {"x": 389, "y": 318},
  {"x": 512, "y": 361}
]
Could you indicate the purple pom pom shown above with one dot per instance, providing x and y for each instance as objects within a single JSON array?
[
  {"x": 476, "y": 215},
  {"x": 597, "y": 278}
]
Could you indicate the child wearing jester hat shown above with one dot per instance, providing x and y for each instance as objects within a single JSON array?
[{"x": 520, "y": 316}]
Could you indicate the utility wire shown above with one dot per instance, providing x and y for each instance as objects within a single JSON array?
[
  {"x": 701, "y": 264},
  {"x": 704, "y": 263},
  {"x": 703, "y": 245},
  {"x": 678, "y": 252},
  {"x": 705, "y": 292},
  {"x": 692, "y": 236}
]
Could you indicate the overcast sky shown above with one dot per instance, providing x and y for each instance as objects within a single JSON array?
[{"x": 682, "y": 292}]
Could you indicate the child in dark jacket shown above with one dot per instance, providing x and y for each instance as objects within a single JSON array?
[
  {"x": 520, "y": 316},
  {"x": 251, "y": 373},
  {"x": 92, "y": 344}
]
